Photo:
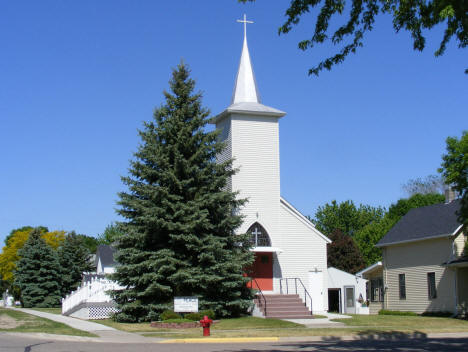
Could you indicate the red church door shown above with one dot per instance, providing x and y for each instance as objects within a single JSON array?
[{"x": 262, "y": 271}]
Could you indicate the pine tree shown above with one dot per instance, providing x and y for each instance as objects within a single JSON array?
[
  {"x": 74, "y": 259},
  {"x": 38, "y": 273},
  {"x": 180, "y": 231}
]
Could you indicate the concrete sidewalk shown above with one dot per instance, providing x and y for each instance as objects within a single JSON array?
[
  {"x": 105, "y": 333},
  {"x": 322, "y": 322},
  {"x": 72, "y": 322}
]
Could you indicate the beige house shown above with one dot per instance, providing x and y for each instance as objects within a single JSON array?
[
  {"x": 424, "y": 267},
  {"x": 374, "y": 286}
]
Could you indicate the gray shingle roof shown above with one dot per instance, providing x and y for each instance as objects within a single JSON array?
[
  {"x": 106, "y": 254},
  {"x": 422, "y": 223}
]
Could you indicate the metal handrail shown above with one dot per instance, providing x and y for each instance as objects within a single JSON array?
[
  {"x": 296, "y": 279},
  {"x": 262, "y": 295}
]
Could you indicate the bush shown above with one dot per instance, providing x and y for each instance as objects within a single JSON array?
[
  {"x": 207, "y": 312},
  {"x": 169, "y": 314},
  {"x": 437, "y": 314},
  {"x": 193, "y": 316},
  {"x": 180, "y": 320},
  {"x": 397, "y": 312},
  {"x": 199, "y": 316}
]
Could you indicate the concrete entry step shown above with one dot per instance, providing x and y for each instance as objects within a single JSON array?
[
  {"x": 301, "y": 310},
  {"x": 290, "y": 316},
  {"x": 283, "y": 307}
]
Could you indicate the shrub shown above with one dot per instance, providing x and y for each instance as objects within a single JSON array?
[
  {"x": 207, "y": 312},
  {"x": 437, "y": 314},
  {"x": 169, "y": 314},
  {"x": 193, "y": 316},
  {"x": 180, "y": 320},
  {"x": 397, "y": 312}
]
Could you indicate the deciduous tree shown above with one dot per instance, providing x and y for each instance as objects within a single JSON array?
[
  {"x": 343, "y": 253},
  {"x": 367, "y": 237},
  {"x": 397, "y": 210},
  {"x": 414, "y": 16},
  {"x": 110, "y": 235},
  {"x": 346, "y": 217},
  {"x": 455, "y": 170},
  {"x": 430, "y": 184},
  {"x": 16, "y": 241}
]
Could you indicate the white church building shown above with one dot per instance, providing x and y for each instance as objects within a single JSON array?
[
  {"x": 290, "y": 268},
  {"x": 290, "y": 253}
]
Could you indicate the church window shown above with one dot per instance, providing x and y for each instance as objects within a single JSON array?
[{"x": 259, "y": 236}]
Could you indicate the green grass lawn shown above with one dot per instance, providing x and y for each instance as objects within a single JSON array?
[
  {"x": 49, "y": 310},
  {"x": 362, "y": 325},
  {"x": 254, "y": 323},
  {"x": 403, "y": 323},
  {"x": 16, "y": 321}
]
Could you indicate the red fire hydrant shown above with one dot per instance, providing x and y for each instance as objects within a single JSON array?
[{"x": 205, "y": 323}]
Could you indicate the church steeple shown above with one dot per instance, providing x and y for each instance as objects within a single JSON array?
[
  {"x": 245, "y": 86},
  {"x": 245, "y": 97}
]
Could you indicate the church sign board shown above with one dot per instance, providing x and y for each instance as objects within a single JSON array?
[{"x": 186, "y": 304}]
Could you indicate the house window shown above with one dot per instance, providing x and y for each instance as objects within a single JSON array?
[
  {"x": 376, "y": 290},
  {"x": 402, "y": 286},
  {"x": 259, "y": 236},
  {"x": 431, "y": 286}
]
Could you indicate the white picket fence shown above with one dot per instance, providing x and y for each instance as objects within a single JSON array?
[{"x": 93, "y": 291}]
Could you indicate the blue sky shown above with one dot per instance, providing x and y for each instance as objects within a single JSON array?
[{"x": 78, "y": 78}]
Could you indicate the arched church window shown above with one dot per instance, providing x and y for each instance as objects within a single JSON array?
[{"x": 259, "y": 236}]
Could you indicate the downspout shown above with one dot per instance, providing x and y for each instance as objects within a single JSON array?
[
  {"x": 453, "y": 256},
  {"x": 456, "y": 292},
  {"x": 384, "y": 269}
]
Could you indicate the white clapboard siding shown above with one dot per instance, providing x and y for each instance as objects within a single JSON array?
[
  {"x": 304, "y": 249},
  {"x": 415, "y": 260},
  {"x": 255, "y": 149},
  {"x": 224, "y": 126},
  {"x": 459, "y": 244}
]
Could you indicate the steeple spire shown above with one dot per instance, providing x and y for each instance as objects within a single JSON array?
[{"x": 245, "y": 87}]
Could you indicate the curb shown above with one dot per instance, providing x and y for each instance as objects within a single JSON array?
[
  {"x": 223, "y": 340},
  {"x": 371, "y": 337}
]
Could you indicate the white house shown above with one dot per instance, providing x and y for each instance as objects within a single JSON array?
[
  {"x": 290, "y": 253},
  {"x": 346, "y": 292},
  {"x": 91, "y": 300},
  {"x": 105, "y": 263}
]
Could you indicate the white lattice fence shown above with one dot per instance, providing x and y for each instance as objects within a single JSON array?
[
  {"x": 91, "y": 295},
  {"x": 101, "y": 312}
]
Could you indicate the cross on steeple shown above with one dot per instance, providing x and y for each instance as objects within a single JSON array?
[{"x": 244, "y": 21}]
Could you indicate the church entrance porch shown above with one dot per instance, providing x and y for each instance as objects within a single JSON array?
[{"x": 262, "y": 271}]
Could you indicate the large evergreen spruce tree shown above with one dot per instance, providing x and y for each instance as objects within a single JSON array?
[
  {"x": 38, "y": 273},
  {"x": 74, "y": 259},
  {"x": 180, "y": 231}
]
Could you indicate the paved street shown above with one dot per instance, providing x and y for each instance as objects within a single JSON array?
[{"x": 19, "y": 343}]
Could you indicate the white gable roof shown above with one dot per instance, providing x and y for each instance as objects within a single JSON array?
[{"x": 286, "y": 205}]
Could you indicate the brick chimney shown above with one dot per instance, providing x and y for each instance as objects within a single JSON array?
[{"x": 450, "y": 195}]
